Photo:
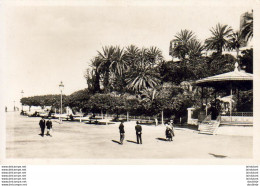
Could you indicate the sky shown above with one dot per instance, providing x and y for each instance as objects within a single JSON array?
[{"x": 43, "y": 45}]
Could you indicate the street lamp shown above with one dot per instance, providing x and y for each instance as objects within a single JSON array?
[
  {"x": 22, "y": 98},
  {"x": 61, "y": 86}
]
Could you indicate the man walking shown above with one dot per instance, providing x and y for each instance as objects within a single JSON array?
[
  {"x": 138, "y": 130},
  {"x": 49, "y": 127},
  {"x": 122, "y": 132},
  {"x": 42, "y": 126}
]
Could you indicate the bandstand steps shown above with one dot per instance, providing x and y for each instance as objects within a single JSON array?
[{"x": 208, "y": 127}]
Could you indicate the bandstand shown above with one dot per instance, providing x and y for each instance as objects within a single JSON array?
[{"x": 237, "y": 80}]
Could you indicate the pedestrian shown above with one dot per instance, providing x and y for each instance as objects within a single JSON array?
[
  {"x": 171, "y": 124},
  {"x": 122, "y": 133},
  {"x": 49, "y": 127},
  {"x": 156, "y": 120},
  {"x": 169, "y": 133},
  {"x": 42, "y": 126},
  {"x": 138, "y": 129}
]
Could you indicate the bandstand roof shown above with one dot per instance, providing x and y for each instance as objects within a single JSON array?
[{"x": 239, "y": 79}]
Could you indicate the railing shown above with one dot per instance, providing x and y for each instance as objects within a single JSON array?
[
  {"x": 243, "y": 114},
  {"x": 134, "y": 118}
]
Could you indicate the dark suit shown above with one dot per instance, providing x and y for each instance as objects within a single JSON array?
[
  {"x": 42, "y": 126},
  {"x": 49, "y": 124},
  {"x": 49, "y": 127},
  {"x": 122, "y": 132},
  {"x": 138, "y": 130}
]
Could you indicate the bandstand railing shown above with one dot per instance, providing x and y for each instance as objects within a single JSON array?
[{"x": 241, "y": 114}]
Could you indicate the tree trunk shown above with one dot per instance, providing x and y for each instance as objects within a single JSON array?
[
  {"x": 162, "y": 117},
  {"x": 237, "y": 52},
  {"x": 96, "y": 82}
]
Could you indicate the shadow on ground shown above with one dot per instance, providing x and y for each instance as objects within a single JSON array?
[
  {"x": 116, "y": 141},
  {"x": 162, "y": 139},
  {"x": 217, "y": 156},
  {"x": 130, "y": 141}
]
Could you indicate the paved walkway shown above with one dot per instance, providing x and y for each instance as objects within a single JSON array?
[{"x": 79, "y": 140}]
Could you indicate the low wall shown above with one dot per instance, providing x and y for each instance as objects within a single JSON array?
[
  {"x": 248, "y": 119},
  {"x": 192, "y": 122},
  {"x": 235, "y": 130}
]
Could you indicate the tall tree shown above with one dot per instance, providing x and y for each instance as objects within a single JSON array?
[
  {"x": 93, "y": 75},
  {"x": 246, "y": 60},
  {"x": 236, "y": 41},
  {"x": 195, "y": 48},
  {"x": 141, "y": 77},
  {"x": 142, "y": 74},
  {"x": 132, "y": 54},
  {"x": 179, "y": 45},
  {"x": 154, "y": 55},
  {"x": 118, "y": 64},
  {"x": 220, "y": 39},
  {"x": 247, "y": 27},
  {"x": 106, "y": 58}
]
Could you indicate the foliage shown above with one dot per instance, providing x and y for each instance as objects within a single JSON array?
[
  {"x": 246, "y": 60},
  {"x": 44, "y": 100},
  {"x": 143, "y": 77},
  {"x": 176, "y": 72},
  {"x": 219, "y": 64},
  {"x": 186, "y": 46},
  {"x": 79, "y": 100},
  {"x": 247, "y": 27},
  {"x": 236, "y": 41},
  {"x": 124, "y": 70},
  {"x": 245, "y": 102},
  {"x": 139, "y": 80},
  {"x": 93, "y": 76},
  {"x": 220, "y": 38}
]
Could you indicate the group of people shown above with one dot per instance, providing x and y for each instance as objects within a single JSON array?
[
  {"x": 45, "y": 124},
  {"x": 138, "y": 129}
]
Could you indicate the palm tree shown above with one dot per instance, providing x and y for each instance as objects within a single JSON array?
[
  {"x": 118, "y": 69},
  {"x": 149, "y": 95},
  {"x": 236, "y": 41},
  {"x": 141, "y": 77},
  {"x": 195, "y": 48},
  {"x": 247, "y": 27},
  {"x": 93, "y": 76},
  {"x": 180, "y": 48},
  {"x": 154, "y": 55},
  {"x": 184, "y": 36},
  {"x": 105, "y": 60},
  {"x": 219, "y": 40},
  {"x": 132, "y": 55},
  {"x": 118, "y": 64}
]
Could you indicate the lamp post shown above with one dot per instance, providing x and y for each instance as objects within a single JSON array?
[
  {"x": 22, "y": 98},
  {"x": 61, "y": 86}
]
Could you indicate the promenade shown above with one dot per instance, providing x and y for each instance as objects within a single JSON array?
[{"x": 79, "y": 140}]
